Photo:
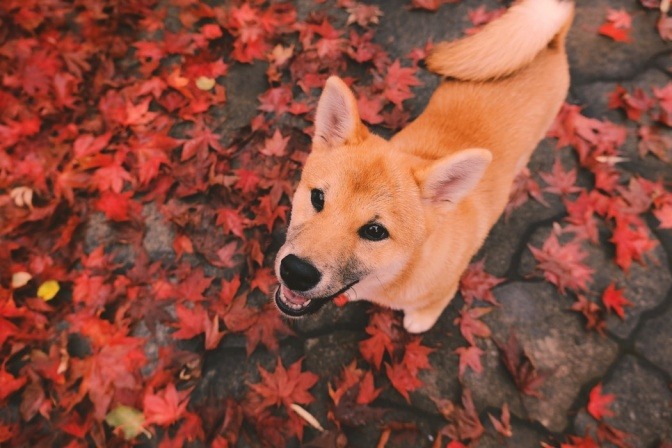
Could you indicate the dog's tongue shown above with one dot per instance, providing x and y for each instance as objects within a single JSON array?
[{"x": 293, "y": 297}]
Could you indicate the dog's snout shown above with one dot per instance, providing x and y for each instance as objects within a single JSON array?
[{"x": 298, "y": 274}]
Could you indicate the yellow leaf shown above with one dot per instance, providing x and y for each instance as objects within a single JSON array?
[
  {"x": 48, "y": 290},
  {"x": 129, "y": 420},
  {"x": 20, "y": 279},
  {"x": 205, "y": 83}
]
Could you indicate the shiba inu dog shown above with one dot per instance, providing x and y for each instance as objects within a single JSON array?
[{"x": 396, "y": 222}]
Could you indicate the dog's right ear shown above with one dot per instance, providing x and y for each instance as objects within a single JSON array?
[
  {"x": 337, "y": 121},
  {"x": 450, "y": 179}
]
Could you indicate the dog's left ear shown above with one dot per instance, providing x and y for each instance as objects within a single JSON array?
[
  {"x": 337, "y": 121},
  {"x": 450, "y": 179}
]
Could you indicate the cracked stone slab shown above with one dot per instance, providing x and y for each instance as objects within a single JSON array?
[
  {"x": 556, "y": 343},
  {"x": 595, "y": 57},
  {"x": 645, "y": 285},
  {"x": 642, "y": 408},
  {"x": 507, "y": 234},
  {"x": 653, "y": 340}
]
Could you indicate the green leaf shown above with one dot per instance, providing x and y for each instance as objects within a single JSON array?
[{"x": 129, "y": 419}]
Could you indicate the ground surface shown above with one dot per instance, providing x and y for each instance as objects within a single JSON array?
[{"x": 145, "y": 175}]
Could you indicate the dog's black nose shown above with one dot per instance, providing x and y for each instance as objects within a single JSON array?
[{"x": 298, "y": 275}]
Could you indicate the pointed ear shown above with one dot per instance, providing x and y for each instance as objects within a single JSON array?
[
  {"x": 450, "y": 179},
  {"x": 337, "y": 118}
]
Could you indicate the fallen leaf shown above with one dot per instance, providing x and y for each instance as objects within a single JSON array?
[
  {"x": 48, "y": 290},
  {"x": 598, "y": 403}
]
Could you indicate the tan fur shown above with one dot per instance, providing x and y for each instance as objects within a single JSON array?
[{"x": 434, "y": 228}]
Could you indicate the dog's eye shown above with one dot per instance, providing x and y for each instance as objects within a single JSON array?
[
  {"x": 373, "y": 232},
  {"x": 317, "y": 198}
]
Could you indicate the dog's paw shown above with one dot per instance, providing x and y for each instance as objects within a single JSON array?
[{"x": 418, "y": 322}]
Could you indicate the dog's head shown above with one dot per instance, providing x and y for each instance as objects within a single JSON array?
[{"x": 359, "y": 214}]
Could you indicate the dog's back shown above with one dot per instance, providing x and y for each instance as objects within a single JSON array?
[{"x": 503, "y": 88}]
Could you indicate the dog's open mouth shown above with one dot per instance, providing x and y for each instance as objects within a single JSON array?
[{"x": 296, "y": 305}]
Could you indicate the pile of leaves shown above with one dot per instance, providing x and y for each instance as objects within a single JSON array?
[{"x": 137, "y": 225}]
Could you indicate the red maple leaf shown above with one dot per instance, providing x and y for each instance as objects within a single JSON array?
[
  {"x": 165, "y": 407},
  {"x": 581, "y": 217},
  {"x": 363, "y": 15},
  {"x": 118, "y": 206},
  {"x": 480, "y": 16},
  {"x": 469, "y": 357},
  {"x": 264, "y": 279},
  {"x": 655, "y": 141},
  {"x": 524, "y": 373},
  {"x": 614, "y": 300},
  {"x": 398, "y": 82},
  {"x": 591, "y": 311},
  {"x": 202, "y": 139},
  {"x": 503, "y": 426},
  {"x": 471, "y": 326},
  {"x": 559, "y": 181},
  {"x": 384, "y": 330},
  {"x": 562, "y": 264},
  {"x": 194, "y": 285},
  {"x": 191, "y": 322},
  {"x": 284, "y": 386},
  {"x": 266, "y": 329},
  {"x": 634, "y": 104},
  {"x": 232, "y": 221},
  {"x": 598, "y": 404},
  {"x": 475, "y": 283},
  {"x": 9, "y": 384},
  {"x": 416, "y": 356},
  {"x": 370, "y": 108},
  {"x": 247, "y": 180},
  {"x": 276, "y": 100},
  {"x": 463, "y": 421},
  {"x": 275, "y": 146},
  {"x": 350, "y": 377},
  {"x": 607, "y": 433},
  {"x": 632, "y": 242},
  {"x": 617, "y": 25},
  {"x": 402, "y": 379},
  {"x": 367, "y": 389},
  {"x": 664, "y": 26},
  {"x": 664, "y": 215},
  {"x": 523, "y": 188},
  {"x": 429, "y": 5}
]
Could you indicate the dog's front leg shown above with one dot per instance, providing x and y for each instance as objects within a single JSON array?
[{"x": 419, "y": 320}]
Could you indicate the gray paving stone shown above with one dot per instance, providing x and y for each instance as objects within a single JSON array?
[
  {"x": 594, "y": 96},
  {"x": 243, "y": 86},
  {"x": 508, "y": 233},
  {"x": 642, "y": 408},
  {"x": 653, "y": 340},
  {"x": 646, "y": 286},
  {"x": 159, "y": 233},
  {"x": 522, "y": 436},
  {"x": 97, "y": 232},
  {"x": 594, "y": 57},
  {"x": 556, "y": 343}
]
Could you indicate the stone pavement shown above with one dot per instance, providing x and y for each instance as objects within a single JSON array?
[{"x": 633, "y": 359}]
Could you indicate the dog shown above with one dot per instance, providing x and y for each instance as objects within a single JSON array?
[{"x": 397, "y": 222}]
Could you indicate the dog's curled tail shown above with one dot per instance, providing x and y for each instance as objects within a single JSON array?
[{"x": 506, "y": 44}]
